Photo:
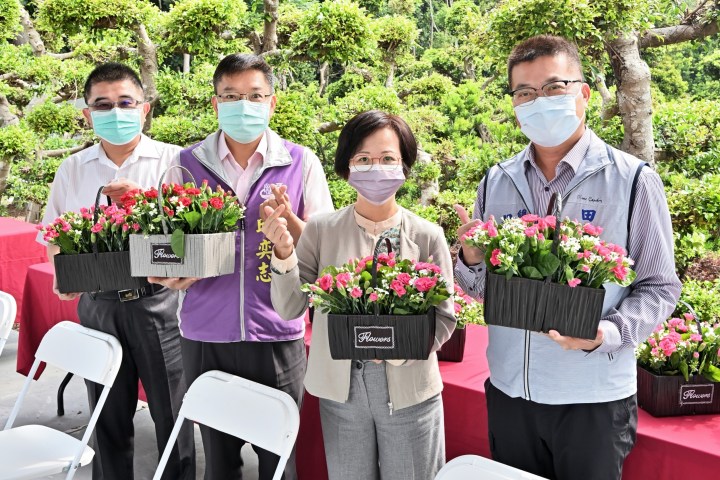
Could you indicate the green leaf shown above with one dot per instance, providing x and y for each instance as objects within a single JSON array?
[
  {"x": 547, "y": 264},
  {"x": 192, "y": 218},
  {"x": 177, "y": 243},
  {"x": 531, "y": 272},
  {"x": 712, "y": 373},
  {"x": 684, "y": 370}
]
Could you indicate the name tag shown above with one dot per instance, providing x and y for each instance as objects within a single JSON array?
[
  {"x": 690, "y": 394},
  {"x": 162, "y": 254},
  {"x": 374, "y": 337}
]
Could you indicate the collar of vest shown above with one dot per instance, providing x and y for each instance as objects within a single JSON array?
[
  {"x": 206, "y": 153},
  {"x": 596, "y": 159}
]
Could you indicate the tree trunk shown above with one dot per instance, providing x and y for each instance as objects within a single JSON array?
[
  {"x": 428, "y": 189},
  {"x": 391, "y": 75},
  {"x": 633, "y": 97},
  {"x": 609, "y": 105},
  {"x": 32, "y": 35},
  {"x": 186, "y": 63},
  {"x": 432, "y": 22},
  {"x": 4, "y": 173},
  {"x": 270, "y": 40},
  {"x": 324, "y": 74},
  {"x": 469, "y": 68},
  {"x": 148, "y": 70},
  {"x": 7, "y": 118}
]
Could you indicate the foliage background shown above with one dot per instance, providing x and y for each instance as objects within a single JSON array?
[{"x": 439, "y": 64}]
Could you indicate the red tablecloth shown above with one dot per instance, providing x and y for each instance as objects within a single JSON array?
[
  {"x": 42, "y": 310},
  {"x": 18, "y": 250},
  {"x": 667, "y": 448}
]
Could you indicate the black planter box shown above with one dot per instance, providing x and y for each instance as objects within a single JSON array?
[
  {"x": 664, "y": 395},
  {"x": 542, "y": 306},
  {"x": 90, "y": 272},
  {"x": 454, "y": 349},
  {"x": 382, "y": 337}
]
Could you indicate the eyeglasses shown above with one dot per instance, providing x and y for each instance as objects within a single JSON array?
[
  {"x": 234, "y": 97},
  {"x": 125, "y": 103},
  {"x": 363, "y": 163},
  {"x": 527, "y": 95}
]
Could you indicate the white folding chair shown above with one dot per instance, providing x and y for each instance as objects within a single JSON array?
[
  {"x": 474, "y": 467},
  {"x": 8, "y": 311},
  {"x": 263, "y": 416},
  {"x": 33, "y": 451}
]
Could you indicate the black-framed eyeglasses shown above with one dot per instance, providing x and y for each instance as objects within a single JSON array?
[
  {"x": 527, "y": 95},
  {"x": 235, "y": 97},
  {"x": 363, "y": 162},
  {"x": 125, "y": 103}
]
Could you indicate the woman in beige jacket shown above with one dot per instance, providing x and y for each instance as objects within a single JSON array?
[{"x": 380, "y": 419}]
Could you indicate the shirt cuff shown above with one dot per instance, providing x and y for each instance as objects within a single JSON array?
[
  {"x": 281, "y": 267},
  {"x": 611, "y": 337}
]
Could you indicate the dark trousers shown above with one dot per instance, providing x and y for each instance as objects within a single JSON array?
[
  {"x": 147, "y": 329},
  {"x": 279, "y": 365},
  {"x": 587, "y": 441}
]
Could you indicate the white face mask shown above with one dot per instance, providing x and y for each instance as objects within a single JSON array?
[
  {"x": 549, "y": 121},
  {"x": 378, "y": 184}
]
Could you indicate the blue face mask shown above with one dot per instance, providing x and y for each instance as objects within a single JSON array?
[
  {"x": 549, "y": 121},
  {"x": 118, "y": 126},
  {"x": 243, "y": 121}
]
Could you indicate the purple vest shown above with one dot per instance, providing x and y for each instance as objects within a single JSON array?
[{"x": 237, "y": 307}]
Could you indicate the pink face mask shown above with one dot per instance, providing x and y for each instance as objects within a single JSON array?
[{"x": 378, "y": 184}]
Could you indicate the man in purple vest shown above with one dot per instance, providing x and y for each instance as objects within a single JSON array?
[{"x": 228, "y": 323}]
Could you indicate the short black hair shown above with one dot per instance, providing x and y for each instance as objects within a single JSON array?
[
  {"x": 543, "y": 46},
  {"x": 365, "y": 124},
  {"x": 242, "y": 62},
  {"x": 111, "y": 72}
]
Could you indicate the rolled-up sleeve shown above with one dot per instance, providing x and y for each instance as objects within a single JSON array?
[{"x": 656, "y": 289}]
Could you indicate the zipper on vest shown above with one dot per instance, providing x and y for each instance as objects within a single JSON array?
[
  {"x": 526, "y": 366},
  {"x": 242, "y": 279}
]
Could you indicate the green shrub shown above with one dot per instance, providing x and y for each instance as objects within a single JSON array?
[
  {"x": 182, "y": 130},
  {"x": 51, "y": 117},
  {"x": 17, "y": 142},
  {"x": 704, "y": 297}
]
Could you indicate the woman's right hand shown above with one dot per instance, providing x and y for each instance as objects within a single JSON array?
[{"x": 275, "y": 228}]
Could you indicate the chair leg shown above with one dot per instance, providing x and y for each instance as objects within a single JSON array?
[{"x": 61, "y": 392}]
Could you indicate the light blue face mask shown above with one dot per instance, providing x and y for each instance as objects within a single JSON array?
[
  {"x": 549, "y": 121},
  {"x": 118, "y": 126},
  {"x": 243, "y": 121}
]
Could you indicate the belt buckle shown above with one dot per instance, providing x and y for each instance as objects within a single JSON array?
[{"x": 128, "y": 295}]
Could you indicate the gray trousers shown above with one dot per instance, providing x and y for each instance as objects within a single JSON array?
[{"x": 364, "y": 440}]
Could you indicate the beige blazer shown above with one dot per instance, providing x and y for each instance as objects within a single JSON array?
[{"x": 333, "y": 239}]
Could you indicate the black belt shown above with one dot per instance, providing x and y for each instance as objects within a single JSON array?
[{"x": 128, "y": 295}]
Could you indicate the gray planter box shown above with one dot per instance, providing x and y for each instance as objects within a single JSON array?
[
  {"x": 206, "y": 255},
  {"x": 90, "y": 272}
]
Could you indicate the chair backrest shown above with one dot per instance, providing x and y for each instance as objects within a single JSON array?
[
  {"x": 8, "y": 311},
  {"x": 474, "y": 467},
  {"x": 261, "y": 415}
]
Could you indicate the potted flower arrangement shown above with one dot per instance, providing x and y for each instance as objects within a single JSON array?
[
  {"x": 93, "y": 249},
  {"x": 679, "y": 367},
  {"x": 468, "y": 311},
  {"x": 380, "y": 307},
  {"x": 544, "y": 274},
  {"x": 184, "y": 231}
]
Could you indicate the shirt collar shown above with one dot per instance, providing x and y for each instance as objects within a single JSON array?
[
  {"x": 573, "y": 158},
  {"x": 145, "y": 149},
  {"x": 225, "y": 154}
]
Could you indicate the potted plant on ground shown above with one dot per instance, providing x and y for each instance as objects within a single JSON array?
[
  {"x": 94, "y": 247},
  {"x": 468, "y": 311},
  {"x": 185, "y": 231},
  {"x": 380, "y": 307},
  {"x": 679, "y": 368},
  {"x": 547, "y": 274}
]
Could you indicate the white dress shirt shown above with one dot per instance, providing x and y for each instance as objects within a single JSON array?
[{"x": 81, "y": 175}]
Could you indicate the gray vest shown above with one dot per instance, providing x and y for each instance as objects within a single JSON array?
[{"x": 528, "y": 364}]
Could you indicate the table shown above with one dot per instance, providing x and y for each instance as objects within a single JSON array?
[
  {"x": 18, "y": 250},
  {"x": 43, "y": 309},
  {"x": 666, "y": 449}
]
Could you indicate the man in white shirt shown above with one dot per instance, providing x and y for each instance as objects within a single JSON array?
[{"x": 144, "y": 320}]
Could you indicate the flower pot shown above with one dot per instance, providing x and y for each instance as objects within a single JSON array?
[
  {"x": 672, "y": 395},
  {"x": 206, "y": 255},
  {"x": 454, "y": 349},
  {"x": 543, "y": 306},
  {"x": 382, "y": 337},
  {"x": 90, "y": 272}
]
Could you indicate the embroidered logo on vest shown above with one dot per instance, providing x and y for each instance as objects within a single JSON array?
[{"x": 588, "y": 215}]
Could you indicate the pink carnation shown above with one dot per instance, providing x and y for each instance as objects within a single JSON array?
[
  {"x": 529, "y": 218},
  {"x": 343, "y": 279},
  {"x": 494, "y": 257},
  {"x": 356, "y": 292},
  {"x": 96, "y": 228},
  {"x": 326, "y": 282},
  {"x": 458, "y": 308},
  {"x": 696, "y": 355},
  {"x": 373, "y": 297},
  {"x": 696, "y": 337},
  {"x": 404, "y": 278},
  {"x": 574, "y": 282},
  {"x": 398, "y": 287},
  {"x": 424, "y": 284}
]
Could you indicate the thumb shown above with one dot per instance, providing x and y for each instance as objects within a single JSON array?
[
  {"x": 462, "y": 213},
  {"x": 268, "y": 210}
]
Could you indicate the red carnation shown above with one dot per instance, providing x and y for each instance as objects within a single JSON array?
[{"x": 216, "y": 203}]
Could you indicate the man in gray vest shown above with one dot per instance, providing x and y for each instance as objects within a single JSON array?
[{"x": 563, "y": 407}]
